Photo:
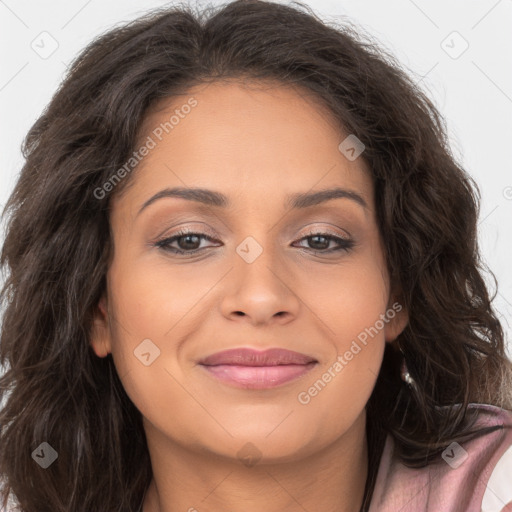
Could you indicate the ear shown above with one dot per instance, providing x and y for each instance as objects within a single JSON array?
[
  {"x": 100, "y": 339},
  {"x": 398, "y": 318}
]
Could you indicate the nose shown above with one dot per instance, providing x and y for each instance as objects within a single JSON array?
[{"x": 260, "y": 292}]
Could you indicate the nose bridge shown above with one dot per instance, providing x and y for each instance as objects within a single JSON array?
[
  {"x": 257, "y": 264},
  {"x": 259, "y": 289}
]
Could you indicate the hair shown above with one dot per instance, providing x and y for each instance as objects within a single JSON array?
[{"x": 58, "y": 245}]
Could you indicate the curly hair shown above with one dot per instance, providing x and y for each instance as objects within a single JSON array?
[{"x": 58, "y": 245}]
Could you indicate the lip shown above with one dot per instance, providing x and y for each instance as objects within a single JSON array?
[
  {"x": 251, "y": 357},
  {"x": 253, "y": 369}
]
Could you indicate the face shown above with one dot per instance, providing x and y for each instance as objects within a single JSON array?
[{"x": 260, "y": 265}]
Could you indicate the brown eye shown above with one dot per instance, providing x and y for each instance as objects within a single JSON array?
[
  {"x": 187, "y": 242},
  {"x": 319, "y": 242}
]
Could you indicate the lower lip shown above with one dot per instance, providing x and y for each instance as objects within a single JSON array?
[{"x": 258, "y": 377}]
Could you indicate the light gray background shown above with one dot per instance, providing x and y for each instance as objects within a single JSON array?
[{"x": 473, "y": 90}]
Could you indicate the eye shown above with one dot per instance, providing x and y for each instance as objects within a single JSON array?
[
  {"x": 188, "y": 242},
  {"x": 319, "y": 242}
]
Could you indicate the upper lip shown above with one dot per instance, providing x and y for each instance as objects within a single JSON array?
[{"x": 251, "y": 357}]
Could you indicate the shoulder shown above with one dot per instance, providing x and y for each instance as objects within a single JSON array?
[
  {"x": 499, "y": 487},
  {"x": 496, "y": 475},
  {"x": 460, "y": 480}
]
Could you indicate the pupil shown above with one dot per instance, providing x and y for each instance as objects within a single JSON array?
[
  {"x": 187, "y": 238},
  {"x": 322, "y": 245}
]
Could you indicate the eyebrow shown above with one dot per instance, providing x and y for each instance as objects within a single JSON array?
[{"x": 294, "y": 201}]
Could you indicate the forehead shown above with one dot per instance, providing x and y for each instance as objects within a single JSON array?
[{"x": 248, "y": 139}]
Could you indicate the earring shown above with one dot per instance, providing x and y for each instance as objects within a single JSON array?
[{"x": 406, "y": 376}]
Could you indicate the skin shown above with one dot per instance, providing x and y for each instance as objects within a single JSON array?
[{"x": 256, "y": 145}]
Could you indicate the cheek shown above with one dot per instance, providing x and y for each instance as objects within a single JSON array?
[
  {"x": 348, "y": 297},
  {"x": 329, "y": 405},
  {"x": 154, "y": 300},
  {"x": 352, "y": 305},
  {"x": 156, "y": 307}
]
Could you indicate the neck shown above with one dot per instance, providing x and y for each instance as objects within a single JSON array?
[{"x": 333, "y": 478}]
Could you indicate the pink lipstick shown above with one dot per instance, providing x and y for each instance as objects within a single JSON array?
[{"x": 252, "y": 369}]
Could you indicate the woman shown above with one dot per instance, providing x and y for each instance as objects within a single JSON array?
[{"x": 243, "y": 273}]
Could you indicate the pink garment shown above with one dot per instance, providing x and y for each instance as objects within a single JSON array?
[{"x": 439, "y": 487}]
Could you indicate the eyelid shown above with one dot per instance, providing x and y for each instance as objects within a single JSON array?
[
  {"x": 328, "y": 231},
  {"x": 184, "y": 230},
  {"x": 205, "y": 230},
  {"x": 326, "y": 228}
]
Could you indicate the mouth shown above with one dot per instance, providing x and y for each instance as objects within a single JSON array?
[{"x": 252, "y": 369}]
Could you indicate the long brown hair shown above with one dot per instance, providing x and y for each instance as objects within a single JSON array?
[{"x": 58, "y": 245}]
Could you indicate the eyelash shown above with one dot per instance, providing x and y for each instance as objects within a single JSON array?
[{"x": 164, "y": 244}]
